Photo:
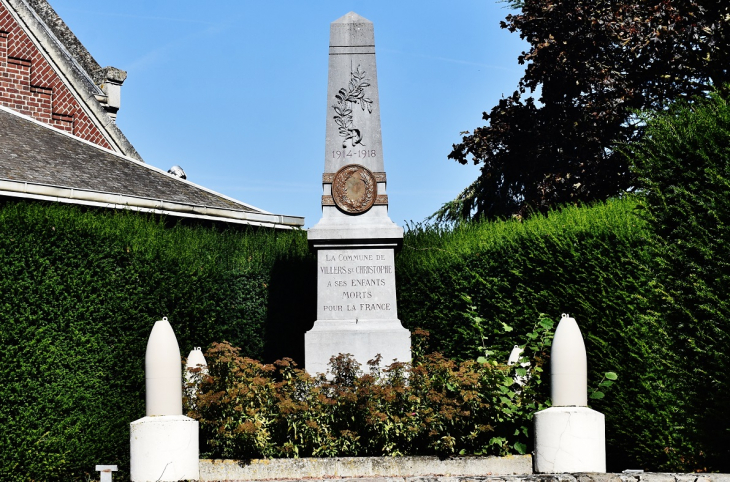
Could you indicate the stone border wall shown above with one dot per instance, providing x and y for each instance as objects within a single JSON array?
[
  {"x": 587, "y": 477},
  {"x": 516, "y": 468},
  {"x": 648, "y": 477},
  {"x": 359, "y": 467}
]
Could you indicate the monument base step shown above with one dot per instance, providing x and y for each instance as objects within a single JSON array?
[{"x": 364, "y": 340}]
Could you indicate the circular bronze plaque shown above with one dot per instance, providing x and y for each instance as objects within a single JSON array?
[{"x": 354, "y": 189}]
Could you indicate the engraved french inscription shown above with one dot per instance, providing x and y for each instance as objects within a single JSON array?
[{"x": 356, "y": 284}]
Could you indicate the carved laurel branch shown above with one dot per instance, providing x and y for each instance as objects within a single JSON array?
[
  {"x": 339, "y": 189},
  {"x": 354, "y": 94}
]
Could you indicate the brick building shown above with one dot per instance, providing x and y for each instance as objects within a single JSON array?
[{"x": 58, "y": 137}]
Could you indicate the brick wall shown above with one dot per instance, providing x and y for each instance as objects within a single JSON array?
[{"x": 29, "y": 85}]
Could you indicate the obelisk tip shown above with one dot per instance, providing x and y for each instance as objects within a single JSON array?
[{"x": 352, "y": 17}]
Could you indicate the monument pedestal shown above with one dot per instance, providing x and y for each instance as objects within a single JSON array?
[
  {"x": 364, "y": 341},
  {"x": 356, "y": 302}
]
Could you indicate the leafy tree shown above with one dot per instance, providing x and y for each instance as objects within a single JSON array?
[{"x": 591, "y": 64}]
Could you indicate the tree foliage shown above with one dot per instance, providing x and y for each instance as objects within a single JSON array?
[{"x": 590, "y": 66}]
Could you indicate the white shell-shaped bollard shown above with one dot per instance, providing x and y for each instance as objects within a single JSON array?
[
  {"x": 196, "y": 360},
  {"x": 163, "y": 374},
  {"x": 164, "y": 445},
  {"x": 514, "y": 355},
  {"x": 569, "y": 436},
  {"x": 568, "y": 366}
]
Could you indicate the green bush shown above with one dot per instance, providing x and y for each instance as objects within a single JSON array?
[
  {"x": 684, "y": 164},
  {"x": 586, "y": 261},
  {"x": 484, "y": 284},
  {"x": 434, "y": 406},
  {"x": 79, "y": 293}
]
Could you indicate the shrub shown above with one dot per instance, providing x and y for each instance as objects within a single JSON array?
[{"x": 434, "y": 406}]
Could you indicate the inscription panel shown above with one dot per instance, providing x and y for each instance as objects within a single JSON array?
[{"x": 356, "y": 284}]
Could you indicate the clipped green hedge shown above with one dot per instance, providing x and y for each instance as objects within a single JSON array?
[
  {"x": 684, "y": 164},
  {"x": 588, "y": 262},
  {"x": 80, "y": 290},
  {"x": 79, "y": 293},
  {"x": 593, "y": 263}
]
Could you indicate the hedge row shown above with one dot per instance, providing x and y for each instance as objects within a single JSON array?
[
  {"x": 593, "y": 263},
  {"x": 80, "y": 290},
  {"x": 684, "y": 163},
  {"x": 79, "y": 293}
]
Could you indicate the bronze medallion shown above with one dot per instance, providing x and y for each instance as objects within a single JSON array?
[{"x": 354, "y": 189}]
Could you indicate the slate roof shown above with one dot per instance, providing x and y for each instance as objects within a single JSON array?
[{"x": 41, "y": 162}]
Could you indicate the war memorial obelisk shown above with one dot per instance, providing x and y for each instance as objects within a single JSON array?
[{"x": 355, "y": 240}]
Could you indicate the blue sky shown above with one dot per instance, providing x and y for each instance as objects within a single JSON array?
[{"x": 235, "y": 92}]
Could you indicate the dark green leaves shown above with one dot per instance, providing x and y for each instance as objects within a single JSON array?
[
  {"x": 684, "y": 164},
  {"x": 593, "y": 64},
  {"x": 79, "y": 292},
  {"x": 607, "y": 381}
]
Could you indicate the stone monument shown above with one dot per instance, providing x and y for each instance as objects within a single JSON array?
[{"x": 355, "y": 240}]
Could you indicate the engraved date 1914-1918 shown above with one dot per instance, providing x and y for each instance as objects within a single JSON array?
[{"x": 360, "y": 153}]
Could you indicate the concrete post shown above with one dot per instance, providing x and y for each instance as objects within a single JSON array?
[
  {"x": 106, "y": 472},
  {"x": 569, "y": 436},
  {"x": 164, "y": 444}
]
